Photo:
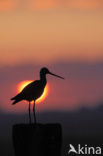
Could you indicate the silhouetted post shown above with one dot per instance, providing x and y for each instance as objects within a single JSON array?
[{"x": 37, "y": 139}]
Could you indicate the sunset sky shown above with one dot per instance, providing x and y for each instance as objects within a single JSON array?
[
  {"x": 38, "y": 31},
  {"x": 59, "y": 34}
]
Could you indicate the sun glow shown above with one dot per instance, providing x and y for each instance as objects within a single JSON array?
[{"x": 24, "y": 83}]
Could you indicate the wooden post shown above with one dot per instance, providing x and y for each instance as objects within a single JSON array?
[{"x": 37, "y": 139}]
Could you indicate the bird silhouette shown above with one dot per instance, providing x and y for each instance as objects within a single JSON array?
[{"x": 33, "y": 91}]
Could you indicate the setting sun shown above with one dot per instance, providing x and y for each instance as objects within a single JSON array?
[{"x": 24, "y": 83}]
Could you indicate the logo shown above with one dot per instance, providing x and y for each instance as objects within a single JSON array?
[
  {"x": 72, "y": 149},
  {"x": 85, "y": 150}
]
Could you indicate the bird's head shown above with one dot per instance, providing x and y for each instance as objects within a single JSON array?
[{"x": 45, "y": 71}]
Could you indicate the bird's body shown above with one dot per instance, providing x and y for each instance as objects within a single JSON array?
[{"x": 33, "y": 90}]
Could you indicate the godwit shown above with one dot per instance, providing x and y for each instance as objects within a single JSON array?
[{"x": 34, "y": 90}]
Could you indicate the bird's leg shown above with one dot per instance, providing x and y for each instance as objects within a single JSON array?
[
  {"x": 29, "y": 114},
  {"x": 34, "y": 112}
]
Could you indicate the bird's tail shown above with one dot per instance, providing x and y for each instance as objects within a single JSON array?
[
  {"x": 16, "y": 101},
  {"x": 17, "y": 98}
]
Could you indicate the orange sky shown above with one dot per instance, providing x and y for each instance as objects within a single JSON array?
[
  {"x": 50, "y": 30},
  {"x": 52, "y": 33}
]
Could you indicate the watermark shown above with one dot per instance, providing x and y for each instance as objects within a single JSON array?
[{"x": 84, "y": 150}]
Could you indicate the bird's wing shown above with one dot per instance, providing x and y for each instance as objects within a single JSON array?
[
  {"x": 32, "y": 88},
  {"x": 30, "y": 92}
]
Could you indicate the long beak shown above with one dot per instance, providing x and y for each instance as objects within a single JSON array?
[{"x": 56, "y": 75}]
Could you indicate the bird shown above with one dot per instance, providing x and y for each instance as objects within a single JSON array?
[{"x": 33, "y": 91}]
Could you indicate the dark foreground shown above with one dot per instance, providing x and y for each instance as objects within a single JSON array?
[
  {"x": 37, "y": 139},
  {"x": 83, "y": 127}
]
